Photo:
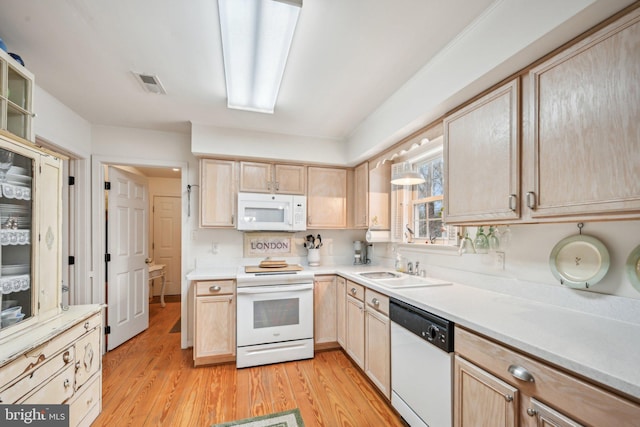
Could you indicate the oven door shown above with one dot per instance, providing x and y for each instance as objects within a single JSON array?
[{"x": 268, "y": 314}]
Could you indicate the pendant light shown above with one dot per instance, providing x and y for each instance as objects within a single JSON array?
[{"x": 407, "y": 176}]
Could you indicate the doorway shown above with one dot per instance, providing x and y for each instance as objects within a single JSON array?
[{"x": 163, "y": 180}]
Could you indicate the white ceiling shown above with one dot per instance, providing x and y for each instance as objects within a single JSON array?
[{"x": 347, "y": 58}]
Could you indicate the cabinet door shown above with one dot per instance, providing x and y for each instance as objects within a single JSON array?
[
  {"x": 217, "y": 193},
  {"x": 88, "y": 357},
  {"x": 341, "y": 301},
  {"x": 324, "y": 303},
  {"x": 327, "y": 198},
  {"x": 380, "y": 197},
  {"x": 546, "y": 416},
  {"x": 482, "y": 158},
  {"x": 481, "y": 399},
  {"x": 377, "y": 361},
  {"x": 215, "y": 326},
  {"x": 585, "y": 104},
  {"x": 355, "y": 330},
  {"x": 361, "y": 196},
  {"x": 49, "y": 248},
  {"x": 256, "y": 177},
  {"x": 290, "y": 179}
]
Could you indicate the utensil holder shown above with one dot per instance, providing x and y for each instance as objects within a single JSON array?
[{"x": 313, "y": 257}]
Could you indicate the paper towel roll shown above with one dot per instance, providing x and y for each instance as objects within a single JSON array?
[{"x": 375, "y": 236}]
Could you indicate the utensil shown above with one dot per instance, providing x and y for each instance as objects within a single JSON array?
[{"x": 318, "y": 242}]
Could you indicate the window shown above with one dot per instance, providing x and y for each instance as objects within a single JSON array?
[{"x": 418, "y": 208}]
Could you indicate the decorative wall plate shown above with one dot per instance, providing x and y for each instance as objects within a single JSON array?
[
  {"x": 633, "y": 268},
  {"x": 579, "y": 261}
]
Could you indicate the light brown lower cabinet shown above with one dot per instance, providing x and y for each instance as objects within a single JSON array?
[
  {"x": 325, "y": 333},
  {"x": 377, "y": 341},
  {"x": 341, "y": 301},
  {"x": 354, "y": 320},
  {"x": 497, "y": 386},
  {"x": 215, "y": 322}
]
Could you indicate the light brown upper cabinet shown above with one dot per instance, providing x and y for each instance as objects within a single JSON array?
[
  {"x": 584, "y": 110},
  {"x": 371, "y": 196},
  {"x": 482, "y": 158},
  {"x": 217, "y": 193},
  {"x": 361, "y": 196},
  {"x": 258, "y": 177},
  {"x": 327, "y": 198}
]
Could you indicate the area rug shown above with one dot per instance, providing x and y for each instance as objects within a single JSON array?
[
  {"x": 290, "y": 418},
  {"x": 176, "y": 327}
]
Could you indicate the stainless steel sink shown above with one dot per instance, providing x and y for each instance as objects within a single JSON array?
[
  {"x": 394, "y": 280},
  {"x": 376, "y": 275}
]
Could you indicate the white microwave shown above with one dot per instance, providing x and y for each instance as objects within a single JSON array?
[{"x": 271, "y": 212}]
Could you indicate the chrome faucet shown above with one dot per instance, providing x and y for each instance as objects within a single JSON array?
[{"x": 417, "y": 271}]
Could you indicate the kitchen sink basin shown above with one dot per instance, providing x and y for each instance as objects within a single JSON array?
[
  {"x": 394, "y": 280},
  {"x": 376, "y": 275}
]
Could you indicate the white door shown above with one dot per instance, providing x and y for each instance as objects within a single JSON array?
[
  {"x": 127, "y": 240},
  {"x": 167, "y": 241}
]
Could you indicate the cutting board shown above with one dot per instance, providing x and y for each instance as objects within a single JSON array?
[{"x": 257, "y": 269}]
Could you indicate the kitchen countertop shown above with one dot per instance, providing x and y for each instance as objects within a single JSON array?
[{"x": 598, "y": 348}]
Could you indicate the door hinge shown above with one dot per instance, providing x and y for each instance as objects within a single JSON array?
[
  {"x": 72, "y": 180},
  {"x": 107, "y": 257},
  {"x": 107, "y": 185},
  {"x": 107, "y": 330},
  {"x": 72, "y": 260}
]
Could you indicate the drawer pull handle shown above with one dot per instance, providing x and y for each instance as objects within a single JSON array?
[
  {"x": 353, "y": 291},
  {"x": 513, "y": 202},
  {"x": 90, "y": 401},
  {"x": 66, "y": 357},
  {"x": 86, "y": 326},
  {"x": 66, "y": 383},
  {"x": 521, "y": 373},
  {"x": 214, "y": 288},
  {"x": 77, "y": 365},
  {"x": 532, "y": 412},
  {"x": 508, "y": 398},
  {"x": 531, "y": 200},
  {"x": 375, "y": 302}
]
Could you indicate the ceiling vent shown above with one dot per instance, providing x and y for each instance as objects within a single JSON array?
[{"x": 150, "y": 83}]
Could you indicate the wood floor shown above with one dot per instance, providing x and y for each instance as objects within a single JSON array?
[{"x": 150, "y": 381}]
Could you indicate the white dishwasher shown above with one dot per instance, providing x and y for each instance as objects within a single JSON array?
[{"x": 421, "y": 366}]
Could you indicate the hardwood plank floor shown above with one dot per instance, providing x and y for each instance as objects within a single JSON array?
[{"x": 150, "y": 381}]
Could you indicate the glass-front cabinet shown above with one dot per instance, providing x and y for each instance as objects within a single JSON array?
[
  {"x": 16, "y": 86},
  {"x": 30, "y": 202}
]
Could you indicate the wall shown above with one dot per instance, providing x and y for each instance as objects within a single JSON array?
[{"x": 527, "y": 273}]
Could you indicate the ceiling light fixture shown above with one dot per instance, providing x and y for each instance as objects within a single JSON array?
[
  {"x": 407, "y": 176},
  {"x": 256, "y": 39}
]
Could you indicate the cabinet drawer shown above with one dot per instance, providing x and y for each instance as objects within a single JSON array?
[
  {"x": 33, "y": 359},
  {"x": 40, "y": 375},
  {"x": 56, "y": 391},
  {"x": 377, "y": 301},
  {"x": 355, "y": 290},
  {"x": 575, "y": 397},
  {"x": 87, "y": 357},
  {"x": 215, "y": 287},
  {"x": 85, "y": 406}
]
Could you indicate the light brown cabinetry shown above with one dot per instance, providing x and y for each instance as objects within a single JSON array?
[
  {"x": 371, "y": 198},
  {"x": 361, "y": 196},
  {"x": 377, "y": 359},
  {"x": 325, "y": 312},
  {"x": 64, "y": 369},
  {"x": 355, "y": 323},
  {"x": 504, "y": 387},
  {"x": 482, "y": 158},
  {"x": 259, "y": 177},
  {"x": 215, "y": 321},
  {"x": 16, "y": 104},
  {"x": 341, "y": 302},
  {"x": 218, "y": 193},
  {"x": 326, "y": 197},
  {"x": 584, "y": 109}
]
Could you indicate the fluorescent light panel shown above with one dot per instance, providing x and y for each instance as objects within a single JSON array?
[{"x": 256, "y": 38}]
